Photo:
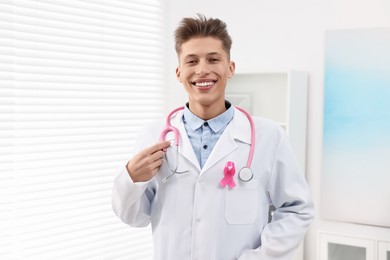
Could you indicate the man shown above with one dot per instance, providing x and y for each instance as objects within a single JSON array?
[{"x": 197, "y": 203}]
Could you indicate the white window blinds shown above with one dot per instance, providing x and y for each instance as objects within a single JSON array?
[{"x": 77, "y": 80}]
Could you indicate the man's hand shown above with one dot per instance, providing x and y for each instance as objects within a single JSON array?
[{"x": 144, "y": 165}]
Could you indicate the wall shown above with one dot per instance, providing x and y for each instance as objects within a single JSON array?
[{"x": 278, "y": 36}]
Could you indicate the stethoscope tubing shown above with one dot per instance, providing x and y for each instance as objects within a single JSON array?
[
  {"x": 253, "y": 136},
  {"x": 169, "y": 128}
]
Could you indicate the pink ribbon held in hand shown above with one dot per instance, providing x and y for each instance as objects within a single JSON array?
[{"x": 229, "y": 172}]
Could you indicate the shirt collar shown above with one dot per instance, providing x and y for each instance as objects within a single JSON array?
[{"x": 216, "y": 124}]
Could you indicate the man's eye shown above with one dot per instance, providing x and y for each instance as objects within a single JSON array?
[
  {"x": 213, "y": 60},
  {"x": 191, "y": 61}
]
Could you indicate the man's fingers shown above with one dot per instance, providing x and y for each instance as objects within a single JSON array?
[
  {"x": 157, "y": 147},
  {"x": 144, "y": 165},
  {"x": 155, "y": 166}
]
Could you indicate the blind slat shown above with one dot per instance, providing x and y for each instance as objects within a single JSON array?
[
  {"x": 129, "y": 53},
  {"x": 78, "y": 79},
  {"x": 135, "y": 13}
]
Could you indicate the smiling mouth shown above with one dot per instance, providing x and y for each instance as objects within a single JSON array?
[{"x": 204, "y": 85}]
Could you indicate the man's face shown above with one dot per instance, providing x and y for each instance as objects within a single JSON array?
[{"x": 204, "y": 68}]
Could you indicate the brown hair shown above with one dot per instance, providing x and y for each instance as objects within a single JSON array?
[{"x": 202, "y": 27}]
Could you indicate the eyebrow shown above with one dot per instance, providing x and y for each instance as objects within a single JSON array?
[
  {"x": 213, "y": 53},
  {"x": 208, "y": 54}
]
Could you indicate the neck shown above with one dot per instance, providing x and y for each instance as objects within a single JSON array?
[{"x": 209, "y": 111}]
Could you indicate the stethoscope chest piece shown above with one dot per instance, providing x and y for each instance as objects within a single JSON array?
[{"x": 245, "y": 174}]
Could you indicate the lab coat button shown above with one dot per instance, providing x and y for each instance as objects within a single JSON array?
[{"x": 198, "y": 219}]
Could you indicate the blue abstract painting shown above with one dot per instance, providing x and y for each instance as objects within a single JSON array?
[{"x": 356, "y": 137}]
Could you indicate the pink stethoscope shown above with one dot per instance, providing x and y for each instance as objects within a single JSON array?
[{"x": 245, "y": 174}]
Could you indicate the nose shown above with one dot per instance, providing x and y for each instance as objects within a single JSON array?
[{"x": 202, "y": 68}]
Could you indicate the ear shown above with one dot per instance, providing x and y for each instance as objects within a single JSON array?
[
  {"x": 232, "y": 69},
  {"x": 178, "y": 74}
]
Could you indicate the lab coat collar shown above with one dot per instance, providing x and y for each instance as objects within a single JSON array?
[
  {"x": 240, "y": 127},
  {"x": 238, "y": 130},
  {"x": 185, "y": 147}
]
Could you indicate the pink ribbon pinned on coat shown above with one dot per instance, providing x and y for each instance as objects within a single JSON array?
[{"x": 228, "y": 172}]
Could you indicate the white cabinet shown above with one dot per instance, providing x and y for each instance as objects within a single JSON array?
[
  {"x": 338, "y": 247},
  {"x": 343, "y": 247},
  {"x": 280, "y": 97}
]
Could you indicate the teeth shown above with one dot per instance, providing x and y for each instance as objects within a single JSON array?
[{"x": 204, "y": 84}]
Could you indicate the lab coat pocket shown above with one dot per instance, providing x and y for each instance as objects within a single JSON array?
[{"x": 242, "y": 203}]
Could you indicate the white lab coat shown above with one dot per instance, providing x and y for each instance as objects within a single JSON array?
[{"x": 193, "y": 217}]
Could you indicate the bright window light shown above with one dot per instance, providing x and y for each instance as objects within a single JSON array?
[{"x": 78, "y": 78}]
